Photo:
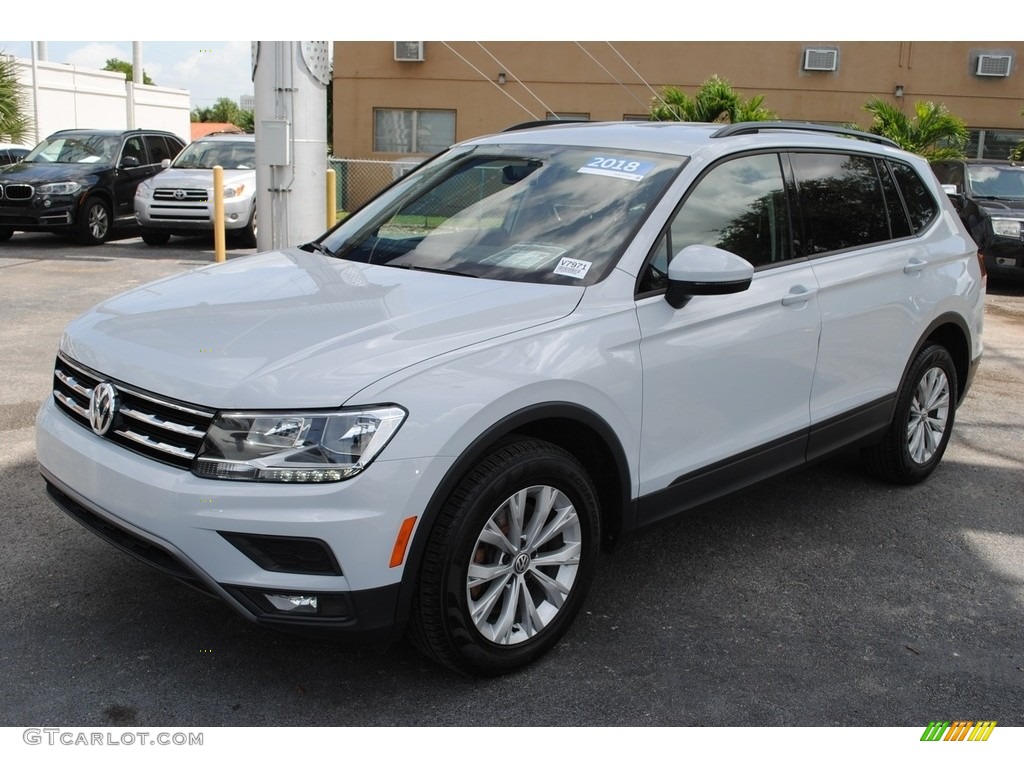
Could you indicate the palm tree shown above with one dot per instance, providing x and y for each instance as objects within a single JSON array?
[
  {"x": 715, "y": 101},
  {"x": 933, "y": 132},
  {"x": 15, "y": 122}
]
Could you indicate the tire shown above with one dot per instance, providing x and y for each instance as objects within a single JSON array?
[
  {"x": 94, "y": 222},
  {"x": 6, "y": 233},
  {"x": 486, "y": 605},
  {"x": 922, "y": 423},
  {"x": 155, "y": 238},
  {"x": 247, "y": 236}
]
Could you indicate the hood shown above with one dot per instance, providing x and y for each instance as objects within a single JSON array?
[
  {"x": 40, "y": 173},
  {"x": 198, "y": 177},
  {"x": 291, "y": 329},
  {"x": 1002, "y": 207}
]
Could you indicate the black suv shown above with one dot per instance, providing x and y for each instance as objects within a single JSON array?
[
  {"x": 989, "y": 196},
  {"x": 81, "y": 182}
]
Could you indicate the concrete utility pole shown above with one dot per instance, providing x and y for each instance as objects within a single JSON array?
[
  {"x": 130, "y": 86},
  {"x": 290, "y": 84},
  {"x": 137, "y": 63}
]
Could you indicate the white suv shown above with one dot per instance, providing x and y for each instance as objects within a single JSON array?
[
  {"x": 179, "y": 199},
  {"x": 430, "y": 420}
]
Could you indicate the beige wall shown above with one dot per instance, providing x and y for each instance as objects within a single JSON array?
[{"x": 611, "y": 80}]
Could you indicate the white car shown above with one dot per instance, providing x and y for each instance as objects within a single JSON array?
[
  {"x": 432, "y": 419},
  {"x": 179, "y": 199}
]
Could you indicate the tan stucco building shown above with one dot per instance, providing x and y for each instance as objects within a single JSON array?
[{"x": 393, "y": 100}]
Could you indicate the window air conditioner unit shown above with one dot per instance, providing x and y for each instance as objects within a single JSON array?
[
  {"x": 409, "y": 51},
  {"x": 821, "y": 59},
  {"x": 994, "y": 66}
]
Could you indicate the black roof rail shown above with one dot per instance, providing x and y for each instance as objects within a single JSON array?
[
  {"x": 540, "y": 124},
  {"x": 742, "y": 129}
]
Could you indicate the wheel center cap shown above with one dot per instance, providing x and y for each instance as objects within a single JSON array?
[{"x": 522, "y": 563}]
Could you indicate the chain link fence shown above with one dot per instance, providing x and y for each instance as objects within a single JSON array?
[{"x": 356, "y": 181}]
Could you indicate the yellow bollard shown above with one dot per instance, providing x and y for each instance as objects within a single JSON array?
[
  {"x": 332, "y": 197},
  {"x": 218, "y": 213}
]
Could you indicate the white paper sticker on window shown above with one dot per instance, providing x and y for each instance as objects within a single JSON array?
[{"x": 572, "y": 268}]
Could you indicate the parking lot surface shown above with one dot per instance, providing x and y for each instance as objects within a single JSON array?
[{"x": 820, "y": 598}]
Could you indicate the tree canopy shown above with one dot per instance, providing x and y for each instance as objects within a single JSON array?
[
  {"x": 715, "y": 101},
  {"x": 932, "y": 132},
  {"x": 224, "y": 110},
  {"x": 15, "y": 121},
  {"x": 126, "y": 68}
]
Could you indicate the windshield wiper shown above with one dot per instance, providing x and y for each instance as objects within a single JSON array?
[
  {"x": 318, "y": 247},
  {"x": 415, "y": 268}
]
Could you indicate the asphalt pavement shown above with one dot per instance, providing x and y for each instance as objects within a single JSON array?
[{"x": 820, "y": 598}]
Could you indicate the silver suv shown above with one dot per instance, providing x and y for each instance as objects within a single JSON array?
[
  {"x": 179, "y": 199},
  {"x": 432, "y": 419}
]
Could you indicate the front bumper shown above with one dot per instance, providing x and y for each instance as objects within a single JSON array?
[
  {"x": 1004, "y": 258},
  {"x": 183, "y": 525},
  {"x": 40, "y": 213},
  {"x": 190, "y": 217}
]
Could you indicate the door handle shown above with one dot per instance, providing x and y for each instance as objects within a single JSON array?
[
  {"x": 914, "y": 266},
  {"x": 798, "y": 294}
]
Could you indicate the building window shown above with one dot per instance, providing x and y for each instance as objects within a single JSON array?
[
  {"x": 992, "y": 143},
  {"x": 413, "y": 131},
  {"x": 567, "y": 116}
]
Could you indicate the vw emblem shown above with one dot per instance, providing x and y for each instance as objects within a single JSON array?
[
  {"x": 179, "y": 194},
  {"x": 522, "y": 563},
  {"x": 103, "y": 407}
]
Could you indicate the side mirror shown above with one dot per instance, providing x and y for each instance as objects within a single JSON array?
[
  {"x": 954, "y": 196},
  {"x": 703, "y": 270},
  {"x": 165, "y": 163},
  {"x": 130, "y": 161}
]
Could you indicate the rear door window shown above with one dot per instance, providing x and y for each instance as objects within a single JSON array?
[{"x": 841, "y": 202}]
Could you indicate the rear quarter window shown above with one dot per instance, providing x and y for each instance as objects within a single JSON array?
[{"x": 921, "y": 206}]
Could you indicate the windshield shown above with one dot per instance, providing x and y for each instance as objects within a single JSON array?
[
  {"x": 229, "y": 155},
  {"x": 530, "y": 213},
  {"x": 75, "y": 149},
  {"x": 1001, "y": 181}
]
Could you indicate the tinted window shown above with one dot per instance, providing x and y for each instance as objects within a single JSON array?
[
  {"x": 919, "y": 201},
  {"x": 950, "y": 173},
  {"x": 898, "y": 221},
  {"x": 158, "y": 149},
  {"x": 133, "y": 147},
  {"x": 841, "y": 202},
  {"x": 740, "y": 206}
]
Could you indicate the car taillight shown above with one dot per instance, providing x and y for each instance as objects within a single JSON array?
[{"x": 984, "y": 272}]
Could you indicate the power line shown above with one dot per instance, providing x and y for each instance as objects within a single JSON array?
[
  {"x": 512, "y": 75},
  {"x": 620, "y": 83},
  {"x": 488, "y": 79},
  {"x": 656, "y": 94}
]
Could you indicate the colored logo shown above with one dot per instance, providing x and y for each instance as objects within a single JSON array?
[{"x": 958, "y": 730}]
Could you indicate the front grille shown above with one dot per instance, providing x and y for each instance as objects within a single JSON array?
[
  {"x": 166, "y": 430},
  {"x": 18, "y": 191},
  {"x": 190, "y": 195}
]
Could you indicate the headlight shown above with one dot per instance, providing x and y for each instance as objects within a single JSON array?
[
  {"x": 234, "y": 190},
  {"x": 59, "y": 188},
  {"x": 1006, "y": 227},
  {"x": 295, "y": 447},
  {"x": 144, "y": 190}
]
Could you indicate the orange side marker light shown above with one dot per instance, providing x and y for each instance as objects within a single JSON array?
[{"x": 402, "y": 542}]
